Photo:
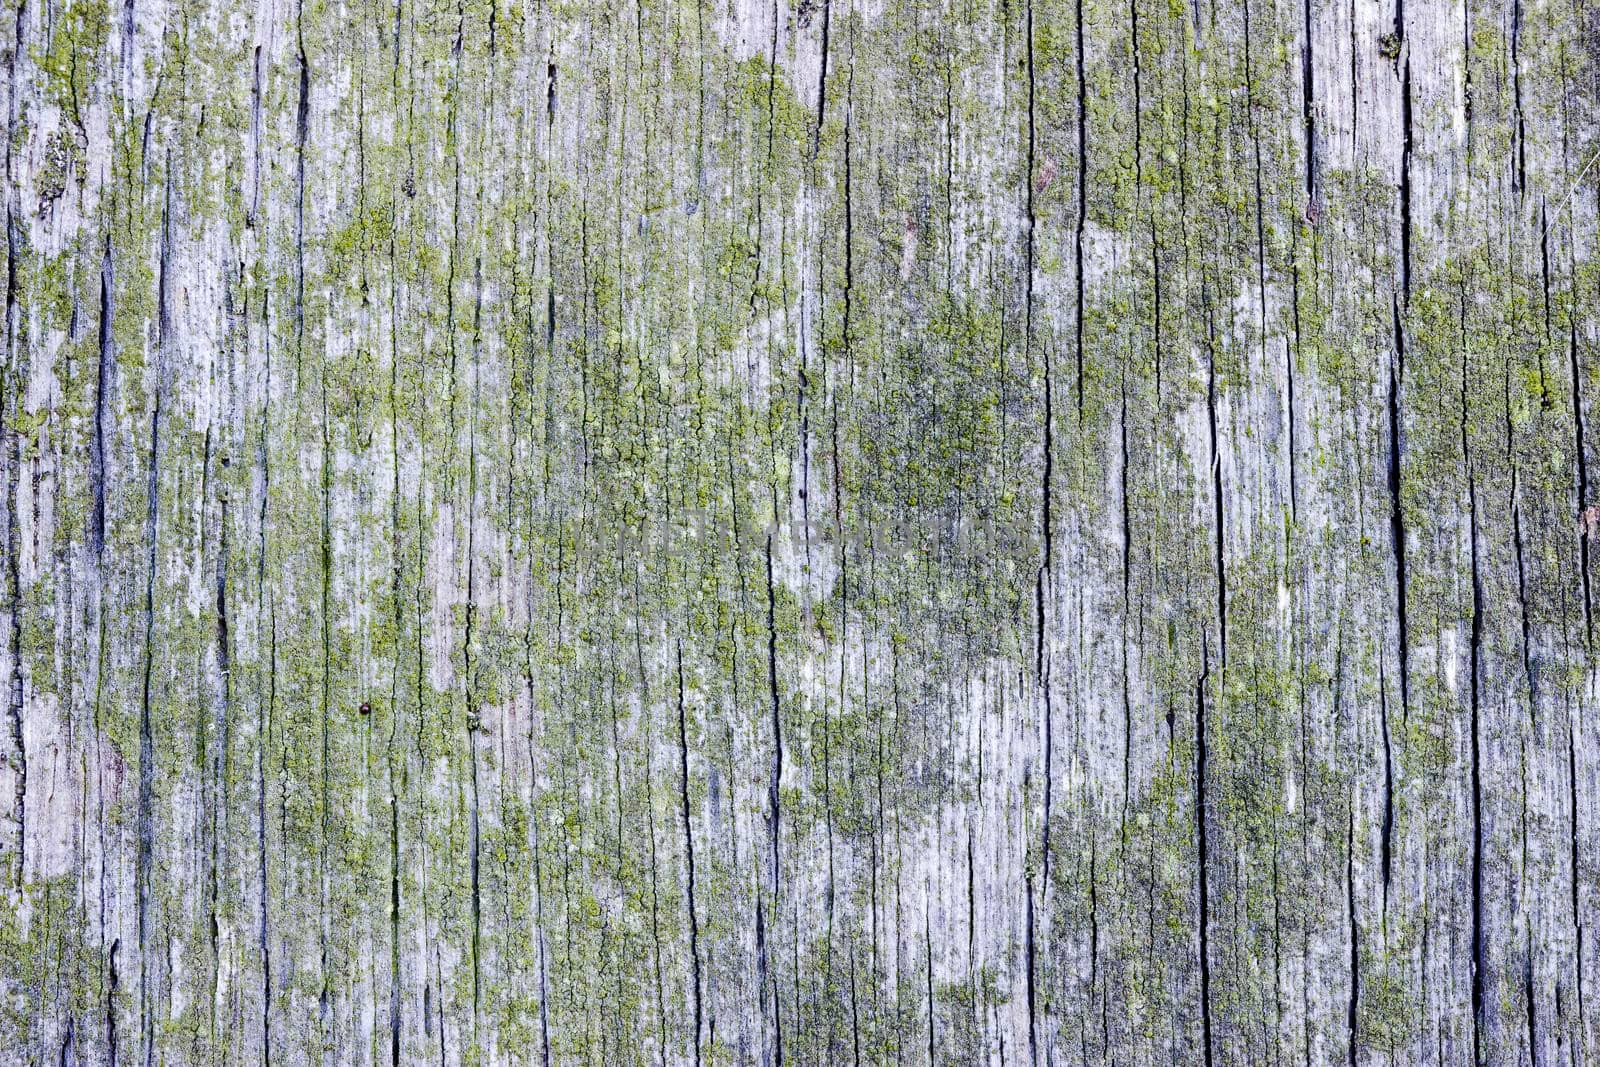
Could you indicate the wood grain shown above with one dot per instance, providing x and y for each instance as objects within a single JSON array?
[{"x": 700, "y": 532}]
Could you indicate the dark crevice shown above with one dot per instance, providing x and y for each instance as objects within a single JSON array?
[
  {"x": 1029, "y": 193},
  {"x": 855, "y": 1016},
  {"x": 1479, "y": 948},
  {"x": 533, "y": 823},
  {"x": 13, "y": 460},
  {"x": 1352, "y": 1010},
  {"x": 688, "y": 852},
  {"x": 762, "y": 985},
  {"x": 1307, "y": 104},
  {"x": 14, "y": 396},
  {"x": 397, "y": 619},
  {"x": 949, "y": 171},
  {"x": 1313, "y": 211},
  {"x": 1277, "y": 933},
  {"x": 1032, "y": 966},
  {"x": 847, "y": 294},
  {"x": 621, "y": 870},
  {"x": 972, "y": 920},
  {"x": 1046, "y": 520},
  {"x": 544, "y": 972},
  {"x": 766, "y": 170},
  {"x": 1585, "y": 524},
  {"x": 1573, "y": 856},
  {"x": 266, "y": 706},
  {"x": 830, "y": 889},
  {"x": 1046, "y": 523},
  {"x": 151, "y": 530},
  {"x": 774, "y": 799},
  {"x": 1202, "y": 813},
  {"x": 269, "y": 707},
  {"x": 1218, "y": 506},
  {"x": 1397, "y": 523},
  {"x": 822, "y": 78},
  {"x": 1544, "y": 274},
  {"x": 1138, "y": 95},
  {"x": 1386, "y": 844},
  {"x": 1083, "y": 177},
  {"x": 468, "y": 646},
  {"x": 302, "y": 123},
  {"x": 1466, "y": 77},
  {"x": 1094, "y": 945},
  {"x": 1585, "y": 528},
  {"x": 1255, "y": 148},
  {"x": 1138, "y": 171},
  {"x": 927, "y": 939},
  {"x": 1355, "y": 82},
  {"x": 1405, "y": 180},
  {"x": 256, "y": 135},
  {"x": 1127, "y": 609},
  {"x": 650, "y": 830},
  {"x": 1533, "y": 1006},
  {"x": 325, "y": 560},
  {"x": 104, "y": 383},
  {"x": 1518, "y": 550},
  {"x": 102, "y": 400},
  {"x": 1291, "y": 353},
  {"x": 222, "y": 724},
  {"x": 112, "y": 984},
  {"x": 1155, "y": 303},
  {"x": 145, "y": 802},
  {"x": 394, "y": 921},
  {"x": 1519, "y": 172}
]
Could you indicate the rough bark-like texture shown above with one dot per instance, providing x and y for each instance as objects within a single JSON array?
[{"x": 1011, "y": 531}]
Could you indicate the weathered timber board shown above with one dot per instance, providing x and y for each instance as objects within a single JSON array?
[{"x": 689, "y": 532}]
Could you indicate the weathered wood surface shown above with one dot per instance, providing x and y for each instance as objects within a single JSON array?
[{"x": 1009, "y": 531}]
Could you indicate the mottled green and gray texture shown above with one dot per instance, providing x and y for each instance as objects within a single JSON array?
[{"x": 704, "y": 532}]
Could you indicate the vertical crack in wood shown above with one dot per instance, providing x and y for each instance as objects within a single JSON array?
[
  {"x": 1353, "y": 1010},
  {"x": 1479, "y": 945},
  {"x": 688, "y": 853},
  {"x": 1397, "y": 536},
  {"x": 1046, "y": 522},
  {"x": 1202, "y": 848},
  {"x": 11, "y": 404},
  {"x": 1580, "y": 449},
  {"x": 1083, "y": 180},
  {"x": 1217, "y": 502},
  {"x": 266, "y": 701},
  {"x": 145, "y": 803}
]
